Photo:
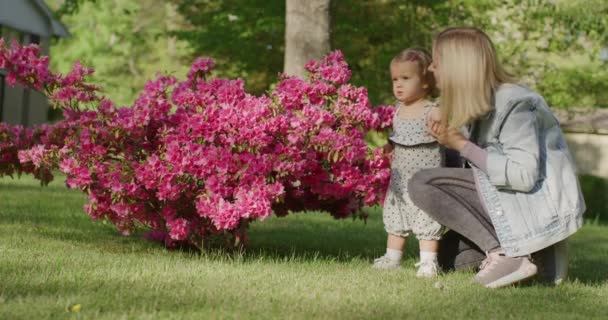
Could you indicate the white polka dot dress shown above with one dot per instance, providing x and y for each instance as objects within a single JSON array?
[{"x": 415, "y": 149}]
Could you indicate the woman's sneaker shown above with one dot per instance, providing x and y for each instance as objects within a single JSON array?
[
  {"x": 427, "y": 269},
  {"x": 386, "y": 263},
  {"x": 499, "y": 270}
]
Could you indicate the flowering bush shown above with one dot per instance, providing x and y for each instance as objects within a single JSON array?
[
  {"x": 200, "y": 157},
  {"x": 23, "y": 150},
  {"x": 12, "y": 138}
]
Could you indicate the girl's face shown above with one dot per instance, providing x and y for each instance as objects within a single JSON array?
[
  {"x": 408, "y": 86},
  {"x": 434, "y": 68}
]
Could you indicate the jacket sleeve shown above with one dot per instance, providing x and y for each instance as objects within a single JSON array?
[{"x": 517, "y": 166}]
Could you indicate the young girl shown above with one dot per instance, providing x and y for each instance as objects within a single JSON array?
[{"x": 414, "y": 149}]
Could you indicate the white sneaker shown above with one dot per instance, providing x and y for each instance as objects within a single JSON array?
[
  {"x": 498, "y": 270},
  {"x": 386, "y": 263},
  {"x": 427, "y": 269}
]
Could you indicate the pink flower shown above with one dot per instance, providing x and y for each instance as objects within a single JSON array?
[
  {"x": 178, "y": 229},
  {"x": 200, "y": 67},
  {"x": 332, "y": 68},
  {"x": 385, "y": 115},
  {"x": 200, "y": 157}
]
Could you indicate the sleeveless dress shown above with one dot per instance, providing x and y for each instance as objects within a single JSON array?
[{"x": 415, "y": 149}]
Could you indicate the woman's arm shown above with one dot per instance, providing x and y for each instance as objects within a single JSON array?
[
  {"x": 453, "y": 139},
  {"x": 476, "y": 155},
  {"x": 517, "y": 166}
]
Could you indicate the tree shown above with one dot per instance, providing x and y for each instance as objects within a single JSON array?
[
  {"x": 68, "y": 7},
  {"x": 371, "y": 33},
  {"x": 127, "y": 42},
  {"x": 306, "y": 34},
  {"x": 246, "y": 38},
  {"x": 557, "y": 47}
]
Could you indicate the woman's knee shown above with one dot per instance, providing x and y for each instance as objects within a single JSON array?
[
  {"x": 419, "y": 187},
  {"x": 420, "y": 182},
  {"x": 420, "y": 179}
]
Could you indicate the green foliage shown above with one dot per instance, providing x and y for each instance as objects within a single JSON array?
[
  {"x": 69, "y": 7},
  {"x": 248, "y": 36},
  {"x": 127, "y": 42},
  {"x": 554, "y": 46},
  {"x": 595, "y": 190},
  {"x": 245, "y": 37},
  {"x": 371, "y": 33}
]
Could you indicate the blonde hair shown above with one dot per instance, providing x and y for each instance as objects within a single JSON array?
[
  {"x": 423, "y": 60},
  {"x": 470, "y": 73}
]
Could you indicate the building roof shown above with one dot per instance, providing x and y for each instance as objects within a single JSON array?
[{"x": 31, "y": 16}]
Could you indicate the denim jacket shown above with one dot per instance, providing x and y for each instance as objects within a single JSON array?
[{"x": 531, "y": 189}]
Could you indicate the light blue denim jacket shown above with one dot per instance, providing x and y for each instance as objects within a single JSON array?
[{"x": 531, "y": 189}]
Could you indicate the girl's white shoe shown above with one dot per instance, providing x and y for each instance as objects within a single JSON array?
[
  {"x": 386, "y": 263},
  {"x": 427, "y": 269}
]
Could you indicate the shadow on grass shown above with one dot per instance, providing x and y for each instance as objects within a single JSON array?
[
  {"x": 318, "y": 236},
  {"x": 111, "y": 293},
  {"x": 300, "y": 237},
  {"x": 310, "y": 236},
  {"x": 53, "y": 213},
  {"x": 16, "y": 185}
]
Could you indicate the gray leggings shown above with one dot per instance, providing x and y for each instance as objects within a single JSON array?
[{"x": 449, "y": 196}]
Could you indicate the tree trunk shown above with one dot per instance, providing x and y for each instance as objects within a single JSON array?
[{"x": 306, "y": 34}]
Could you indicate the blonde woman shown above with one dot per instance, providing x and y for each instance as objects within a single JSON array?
[{"x": 520, "y": 193}]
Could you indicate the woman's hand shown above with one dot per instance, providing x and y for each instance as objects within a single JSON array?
[
  {"x": 447, "y": 136},
  {"x": 433, "y": 120}
]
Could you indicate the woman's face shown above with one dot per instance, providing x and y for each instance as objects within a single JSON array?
[{"x": 434, "y": 68}]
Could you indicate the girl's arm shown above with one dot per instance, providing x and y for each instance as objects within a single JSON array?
[{"x": 388, "y": 147}]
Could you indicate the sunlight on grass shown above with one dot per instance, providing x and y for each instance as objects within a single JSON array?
[{"x": 54, "y": 260}]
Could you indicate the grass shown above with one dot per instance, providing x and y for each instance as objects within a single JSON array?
[
  {"x": 595, "y": 190},
  {"x": 53, "y": 256}
]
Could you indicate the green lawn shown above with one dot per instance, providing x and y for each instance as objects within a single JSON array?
[{"x": 52, "y": 255}]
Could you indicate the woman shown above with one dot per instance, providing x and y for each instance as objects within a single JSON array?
[{"x": 521, "y": 194}]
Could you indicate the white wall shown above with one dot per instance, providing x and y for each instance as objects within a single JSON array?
[{"x": 590, "y": 152}]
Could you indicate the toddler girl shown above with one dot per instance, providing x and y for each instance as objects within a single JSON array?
[{"x": 413, "y": 149}]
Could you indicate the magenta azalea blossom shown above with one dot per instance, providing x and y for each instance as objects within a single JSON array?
[{"x": 199, "y": 157}]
